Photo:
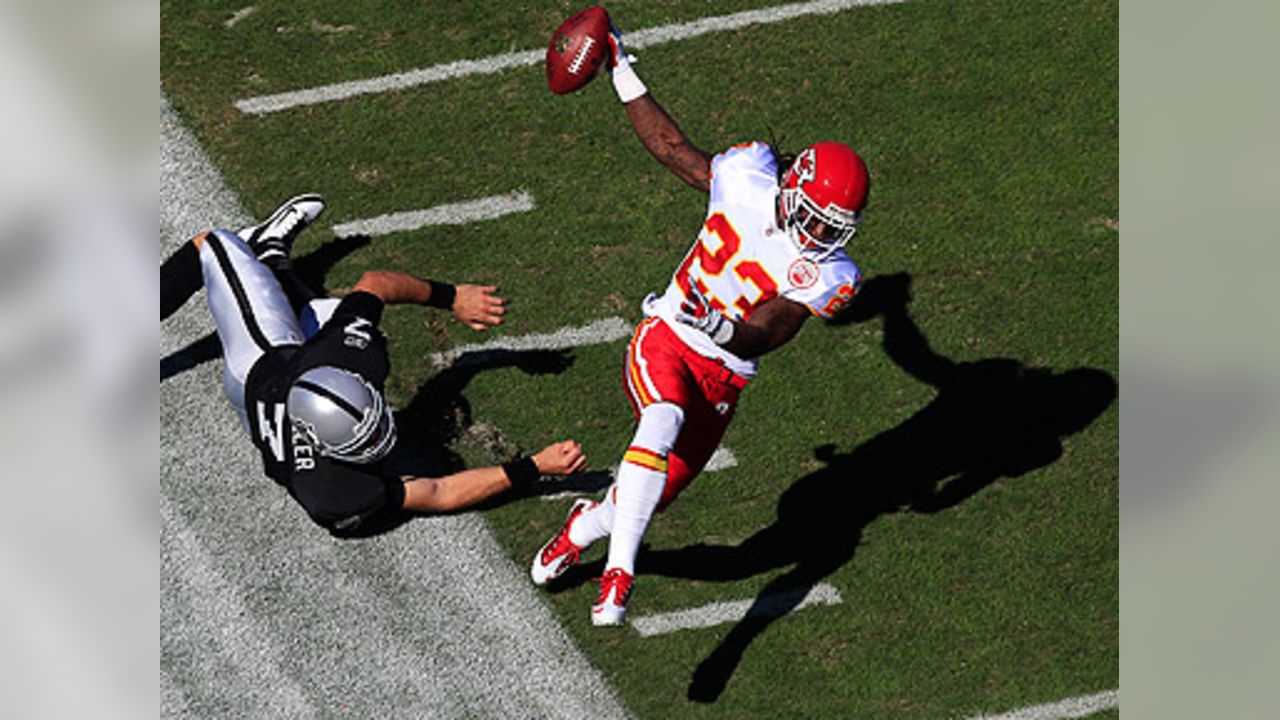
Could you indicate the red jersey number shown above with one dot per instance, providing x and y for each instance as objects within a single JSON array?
[{"x": 713, "y": 263}]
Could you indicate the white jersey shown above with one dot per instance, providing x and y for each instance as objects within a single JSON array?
[{"x": 742, "y": 259}]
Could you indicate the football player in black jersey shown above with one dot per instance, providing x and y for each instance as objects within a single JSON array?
[{"x": 305, "y": 373}]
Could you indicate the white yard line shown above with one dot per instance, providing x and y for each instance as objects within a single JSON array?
[
  {"x": 594, "y": 333},
  {"x": 724, "y": 612},
  {"x": 1075, "y": 707},
  {"x": 635, "y": 39},
  {"x": 239, "y": 15},
  {"x": 722, "y": 459},
  {"x": 460, "y": 213}
]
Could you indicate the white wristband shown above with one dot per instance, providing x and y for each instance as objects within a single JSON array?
[{"x": 627, "y": 84}]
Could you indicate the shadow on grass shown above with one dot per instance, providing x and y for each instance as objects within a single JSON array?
[
  {"x": 439, "y": 415},
  {"x": 992, "y": 418}
]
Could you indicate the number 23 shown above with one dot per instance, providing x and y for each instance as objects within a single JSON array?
[{"x": 714, "y": 263}]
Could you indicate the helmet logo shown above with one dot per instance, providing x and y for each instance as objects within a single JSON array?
[
  {"x": 806, "y": 166},
  {"x": 803, "y": 273}
]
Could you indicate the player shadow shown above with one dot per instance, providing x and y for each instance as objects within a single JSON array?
[
  {"x": 311, "y": 269},
  {"x": 439, "y": 415},
  {"x": 990, "y": 419}
]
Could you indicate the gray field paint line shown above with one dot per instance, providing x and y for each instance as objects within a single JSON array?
[
  {"x": 1075, "y": 707},
  {"x": 173, "y": 701},
  {"x": 593, "y": 333},
  {"x": 460, "y": 213},
  {"x": 633, "y": 39},
  {"x": 200, "y": 608},
  {"x": 502, "y": 596},
  {"x": 361, "y": 628},
  {"x": 193, "y": 196},
  {"x": 219, "y": 619},
  {"x": 719, "y": 613}
]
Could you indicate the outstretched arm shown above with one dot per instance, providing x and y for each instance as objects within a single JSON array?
[
  {"x": 466, "y": 488},
  {"x": 668, "y": 144},
  {"x": 660, "y": 134},
  {"x": 474, "y": 305}
]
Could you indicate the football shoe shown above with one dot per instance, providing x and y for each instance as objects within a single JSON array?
[
  {"x": 272, "y": 239},
  {"x": 559, "y": 554},
  {"x": 615, "y": 592}
]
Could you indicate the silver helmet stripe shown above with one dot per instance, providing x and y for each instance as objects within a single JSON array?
[
  {"x": 333, "y": 397},
  {"x": 345, "y": 416}
]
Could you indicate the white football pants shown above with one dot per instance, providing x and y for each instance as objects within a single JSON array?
[{"x": 251, "y": 311}]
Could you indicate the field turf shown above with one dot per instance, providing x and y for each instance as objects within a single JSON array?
[{"x": 918, "y": 457}]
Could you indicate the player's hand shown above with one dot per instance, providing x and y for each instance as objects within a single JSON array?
[
  {"x": 618, "y": 56},
  {"x": 696, "y": 312},
  {"x": 478, "y": 307},
  {"x": 562, "y": 458}
]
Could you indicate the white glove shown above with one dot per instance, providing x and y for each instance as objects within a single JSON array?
[
  {"x": 625, "y": 81},
  {"x": 696, "y": 312}
]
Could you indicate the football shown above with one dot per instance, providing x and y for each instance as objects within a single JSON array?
[{"x": 577, "y": 50}]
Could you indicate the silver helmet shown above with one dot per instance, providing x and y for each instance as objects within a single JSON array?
[{"x": 343, "y": 415}]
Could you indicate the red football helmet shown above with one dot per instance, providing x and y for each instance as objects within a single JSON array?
[{"x": 822, "y": 197}]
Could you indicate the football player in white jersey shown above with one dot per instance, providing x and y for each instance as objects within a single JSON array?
[{"x": 769, "y": 255}]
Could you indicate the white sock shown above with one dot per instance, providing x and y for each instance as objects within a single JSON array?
[
  {"x": 594, "y": 522},
  {"x": 641, "y": 479}
]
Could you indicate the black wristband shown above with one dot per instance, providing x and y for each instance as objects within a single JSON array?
[
  {"x": 442, "y": 295},
  {"x": 521, "y": 471}
]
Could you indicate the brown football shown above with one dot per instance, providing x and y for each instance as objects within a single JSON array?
[{"x": 577, "y": 50}]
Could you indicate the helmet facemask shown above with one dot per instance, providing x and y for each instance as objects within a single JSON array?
[
  {"x": 814, "y": 230},
  {"x": 373, "y": 437},
  {"x": 821, "y": 198}
]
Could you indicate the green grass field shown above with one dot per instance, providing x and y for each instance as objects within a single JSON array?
[{"x": 976, "y": 552}]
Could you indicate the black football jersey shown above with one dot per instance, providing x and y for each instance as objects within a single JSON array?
[{"x": 337, "y": 495}]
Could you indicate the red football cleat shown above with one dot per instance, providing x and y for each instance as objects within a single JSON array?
[
  {"x": 559, "y": 554},
  {"x": 615, "y": 591}
]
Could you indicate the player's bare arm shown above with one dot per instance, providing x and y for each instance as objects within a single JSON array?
[
  {"x": 770, "y": 327},
  {"x": 668, "y": 144},
  {"x": 660, "y": 134},
  {"x": 774, "y": 323},
  {"x": 466, "y": 488},
  {"x": 476, "y": 306}
]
